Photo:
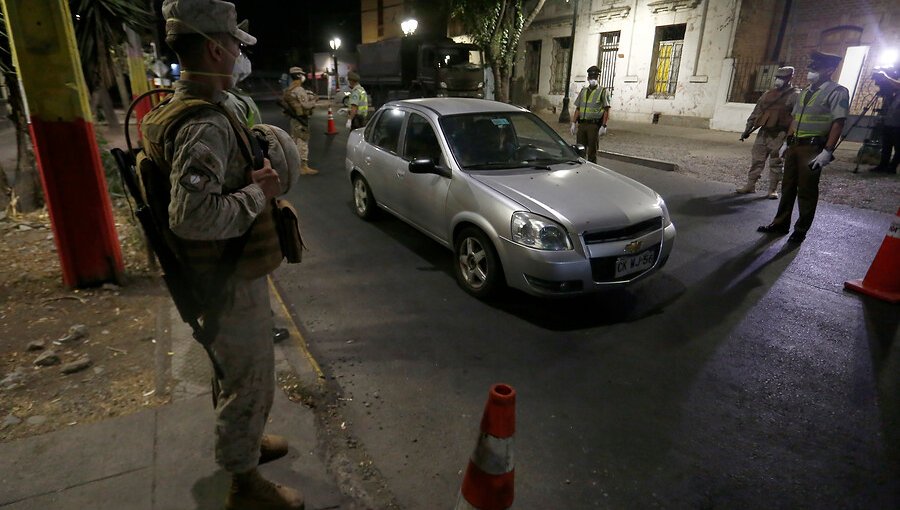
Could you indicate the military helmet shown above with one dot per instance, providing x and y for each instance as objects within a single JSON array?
[
  {"x": 593, "y": 71},
  {"x": 283, "y": 154}
]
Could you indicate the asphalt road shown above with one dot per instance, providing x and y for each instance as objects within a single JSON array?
[{"x": 740, "y": 376}]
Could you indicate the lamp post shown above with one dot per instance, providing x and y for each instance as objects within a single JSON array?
[
  {"x": 335, "y": 45},
  {"x": 409, "y": 27},
  {"x": 564, "y": 114}
]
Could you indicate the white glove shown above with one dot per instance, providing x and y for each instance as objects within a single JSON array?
[
  {"x": 573, "y": 128},
  {"x": 602, "y": 131},
  {"x": 820, "y": 161},
  {"x": 349, "y": 122},
  {"x": 782, "y": 150}
]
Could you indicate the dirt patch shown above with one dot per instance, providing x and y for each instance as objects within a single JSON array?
[{"x": 108, "y": 331}]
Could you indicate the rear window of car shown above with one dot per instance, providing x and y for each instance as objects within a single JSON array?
[{"x": 386, "y": 132}]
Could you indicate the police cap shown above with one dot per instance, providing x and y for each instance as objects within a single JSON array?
[
  {"x": 593, "y": 71},
  {"x": 203, "y": 17},
  {"x": 353, "y": 76},
  {"x": 785, "y": 72},
  {"x": 821, "y": 60}
]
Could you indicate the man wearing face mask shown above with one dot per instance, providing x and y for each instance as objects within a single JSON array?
[
  {"x": 591, "y": 114},
  {"x": 219, "y": 208},
  {"x": 819, "y": 117},
  {"x": 772, "y": 116},
  {"x": 237, "y": 100},
  {"x": 300, "y": 103}
]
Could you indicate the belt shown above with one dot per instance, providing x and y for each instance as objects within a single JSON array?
[
  {"x": 810, "y": 140},
  {"x": 590, "y": 121}
]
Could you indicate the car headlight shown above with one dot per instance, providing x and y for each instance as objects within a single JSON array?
[
  {"x": 667, "y": 220},
  {"x": 443, "y": 84},
  {"x": 538, "y": 232}
]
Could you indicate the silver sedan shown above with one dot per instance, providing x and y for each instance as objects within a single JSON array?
[{"x": 517, "y": 204}]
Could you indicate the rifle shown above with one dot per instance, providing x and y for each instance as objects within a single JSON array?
[{"x": 287, "y": 110}]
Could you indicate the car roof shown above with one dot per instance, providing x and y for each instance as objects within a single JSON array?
[{"x": 456, "y": 105}]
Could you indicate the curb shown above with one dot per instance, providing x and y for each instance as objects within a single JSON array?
[
  {"x": 295, "y": 349},
  {"x": 649, "y": 162}
]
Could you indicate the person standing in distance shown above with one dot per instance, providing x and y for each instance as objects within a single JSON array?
[
  {"x": 819, "y": 117},
  {"x": 301, "y": 101},
  {"x": 591, "y": 114},
  {"x": 772, "y": 115},
  {"x": 889, "y": 84},
  {"x": 359, "y": 102},
  {"x": 216, "y": 195}
]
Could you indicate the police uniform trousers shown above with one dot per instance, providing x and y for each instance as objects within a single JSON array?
[
  {"x": 588, "y": 134},
  {"x": 890, "y": 141},
  {"x": 801, "y": 184},
  {"x": 244, "y": 349},
  {"x": 765, "y": 148},
  {"x": 300, "y": 134},
  {"x": 358, "y": 121}
]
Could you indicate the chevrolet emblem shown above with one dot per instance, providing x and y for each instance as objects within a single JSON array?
[{"x": 633, "y": 247}]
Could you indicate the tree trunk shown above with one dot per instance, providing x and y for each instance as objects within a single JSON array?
[
  {"x": 27, "y": 191},
  {"x": 104, "y": 102},
  {"x": 123, "y": 90},
  {"x": 4, "y": 190},
  {"x": 501, "y": 82}
]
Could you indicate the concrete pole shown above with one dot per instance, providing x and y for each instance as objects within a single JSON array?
[
  {"x": 564, "y": 117},
  {"x": 45, "y": 54}
]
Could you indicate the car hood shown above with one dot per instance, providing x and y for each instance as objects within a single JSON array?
[{"x": 584, "y": 197}]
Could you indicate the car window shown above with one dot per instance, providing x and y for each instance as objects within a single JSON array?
[
  {"x": 483, "y": 141},
  {"x": 386, "y": 133},
  {"x": 421, "y": 142},
  {"x": 370, "y": 127}
]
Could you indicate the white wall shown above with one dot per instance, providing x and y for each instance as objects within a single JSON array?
[{"x": 707, "y": 42}]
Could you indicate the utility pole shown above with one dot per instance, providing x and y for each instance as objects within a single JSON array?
[
  {"x": 45, "y": 54},
  {"x": 564, "y": 117}
]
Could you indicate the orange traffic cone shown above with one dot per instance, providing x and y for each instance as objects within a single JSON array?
[
  {"x": 331, "y": 129},
  {"x": 882, "y": 281},
  {"x": 489, "y": 480}
]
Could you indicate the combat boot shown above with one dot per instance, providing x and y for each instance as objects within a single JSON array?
[
  {"x": 250, "y": 491},
  {"x": 272, "y": 447},
  {"x": 773, "y": 192},
  {"x": 306, "y": 170},
  {"x": 750, "y": 187}
]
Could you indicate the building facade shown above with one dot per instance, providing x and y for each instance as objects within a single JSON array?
[{"x": 700, "y": 63}]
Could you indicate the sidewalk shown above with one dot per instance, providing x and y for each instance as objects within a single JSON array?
[
  {"x": 163, "y": 458},
  {"x": 719, "y": 156}
]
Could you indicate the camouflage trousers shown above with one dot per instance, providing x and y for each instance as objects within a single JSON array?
[
  {"x": 766, "y": 148},
  {"x": 300, "y": 134},
  {"x": 245, "y": 351}
]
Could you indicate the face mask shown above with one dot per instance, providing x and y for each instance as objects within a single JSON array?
[
  {"x": 593, "y": 82},
  {"x": 242, "y": 69},
  {"x": 813, "y": 76},
  {"x": 301, "y": 78},
  {"x": 779, "y": 83}
]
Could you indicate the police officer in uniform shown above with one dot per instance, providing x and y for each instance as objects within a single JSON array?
[
  {"x": 591, "y": 114},
  {"x": 216, "y": 195},
  {"x": 819, "y": 117},
  {"x": 301, "y": 101},
  {"x": 889, "y": 85},
  {"x": 772, "y": 116},
  {"x": 359, "y": 102}
]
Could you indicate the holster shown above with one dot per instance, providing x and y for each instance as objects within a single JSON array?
[{"x": 287, "y": 223}]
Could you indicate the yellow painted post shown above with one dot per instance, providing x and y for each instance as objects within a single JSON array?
[{"x": 45, "y": 54}]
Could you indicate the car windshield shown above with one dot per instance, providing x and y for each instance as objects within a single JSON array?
[{"x": 488, "y": 141}]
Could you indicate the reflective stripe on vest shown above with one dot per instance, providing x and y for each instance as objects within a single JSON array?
[
  {"x": 362, "y": 108},
  {"x": 814, "y": 118},
  {"x": 590, "y": 106}
]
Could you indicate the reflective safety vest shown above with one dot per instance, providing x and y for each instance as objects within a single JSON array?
[
  {"x": 360, "y": 98},
  {"x": 815, "y": 113},
  {"x": 592, "y": 103},
  {"x": 262, "y": 252}
]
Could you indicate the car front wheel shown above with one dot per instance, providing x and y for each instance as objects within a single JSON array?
[
  {"x": 363, "y": 199},
  {"x": 478, "y": 268}
]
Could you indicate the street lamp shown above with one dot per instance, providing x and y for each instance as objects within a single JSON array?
[
  {"x": 409, "y": 26},
  {"x": 335, "y": 45}
]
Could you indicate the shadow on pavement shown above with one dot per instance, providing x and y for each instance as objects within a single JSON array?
[
  {"x": 209, "y": 492},
  {"x": 881, "y": 327},
  {"x": 711, "y": 206}
]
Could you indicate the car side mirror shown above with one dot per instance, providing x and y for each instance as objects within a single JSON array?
[
  {"x": 580, "y": 149},
  {"x": 427, "y": 166}
]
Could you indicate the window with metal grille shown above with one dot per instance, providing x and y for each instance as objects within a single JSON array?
[
  {"x": 609, "y": 50},
  {"x": 667, "y": 60},
  {"x": 560, "y": 65},
  {"x": 532, "y": 66}
]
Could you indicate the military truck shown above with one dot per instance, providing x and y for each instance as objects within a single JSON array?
[{"x": 409, "y": 67}]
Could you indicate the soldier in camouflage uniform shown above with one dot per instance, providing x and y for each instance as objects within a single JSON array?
[
  {"x": 301, "y": 102},
  {"x": 216, "y": 195}
]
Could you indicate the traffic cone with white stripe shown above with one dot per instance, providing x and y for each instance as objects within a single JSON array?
[
  {"x": 882, "y": 281},
  {"x": 489, "y": 480},
  {"x": 331, "y": 129}
]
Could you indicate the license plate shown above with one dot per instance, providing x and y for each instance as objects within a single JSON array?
[{"x": 635, "y": 263}]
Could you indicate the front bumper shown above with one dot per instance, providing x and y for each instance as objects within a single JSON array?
[{"x": 548, "y": 273}]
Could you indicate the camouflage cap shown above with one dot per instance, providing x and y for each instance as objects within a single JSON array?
[
  {"x": 296, "y": 70},
  {"x": 819, "y": 59},
  {"x": 353, "y": 76},
  {"x": 785, "y": 71},
  {"x": 203, "y": 17}
]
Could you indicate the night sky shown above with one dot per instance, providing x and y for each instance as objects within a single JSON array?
[{"x": 289, "y": 31}]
